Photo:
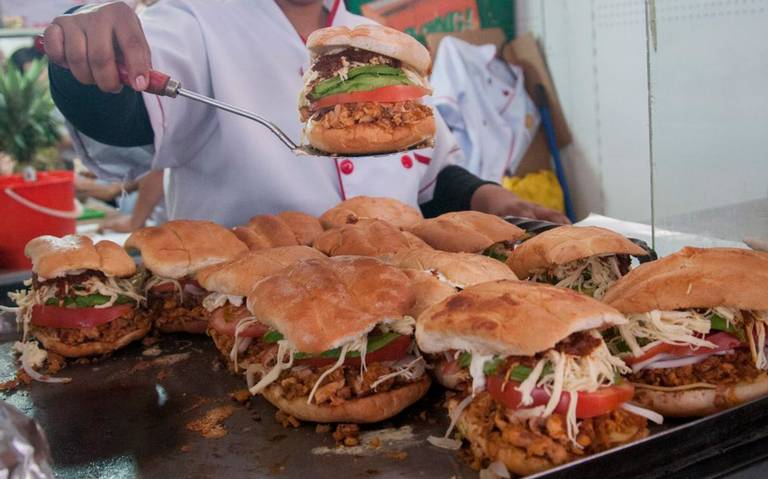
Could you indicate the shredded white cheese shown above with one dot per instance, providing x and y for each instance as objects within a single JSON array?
[
  {"x": 217, "y": 300},
  {"x": 159, "y": 280},
  {"x": 400, "y": 326},
  {"x": 673, "y": 327},
  {"x": 476, "y": 371},
  {"x": 572, "y": 374},
  {"x": 339, "y": 363},
  {"x": 241, "y": 326},
  {"x": 408, "y": 368},
  {"x": 652, "y": 416},
  {"x": 33, "y": 357},
  {"x": 593, "y": 275},
  {"x": 755, "y": 331},
  {"x": 284, "y": 350}
]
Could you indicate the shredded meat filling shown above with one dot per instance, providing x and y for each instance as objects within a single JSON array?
[
  {"x": 493, "y": 429},
  {"x": 578, "y": 344},
  {"x": 720, "y": 370},
  {"x": 384, "y": 115},
  {"x": 109, "y": 332},
  {"x": 172, "y": 315},
  {"x": 343, "y": 384},
  {"x": 257, "y": 352}
]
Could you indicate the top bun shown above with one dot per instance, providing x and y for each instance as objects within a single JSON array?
[
  {"x": 182, "y": 247},
  {"x": 288, "y": 228},
  {"x": 320, "y": 304},
  {"x": 460, "y": 269},
  {"x": 427, "y": 289},
  {"x": 694, "y": 278},
  {"x": 365, "y": 238},
  {"x": 510, "y": 318},
  {"x": 466, "y": 231},
  {"x": 375, "y": 38},
  {"x": 564, "y": 244},
  {"x": 238, "y": 276},
  {"x": 53, "y": 257},
  {"x": 390, "y": 210}
]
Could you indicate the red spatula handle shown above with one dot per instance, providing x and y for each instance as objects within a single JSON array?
[{"x": 159, "y": 83}]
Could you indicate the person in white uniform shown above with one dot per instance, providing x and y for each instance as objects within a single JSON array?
[{"x": 223, "y": 167}]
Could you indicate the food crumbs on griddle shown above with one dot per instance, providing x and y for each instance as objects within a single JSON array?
[
  {"x": 347, "y": 435},
  {"x": 374, "y": 443},
  {"x": 198, "y": 401},
  {"x": 55, "y": 363},
  {"x": 241, "y": 395},
  {"x": 10, "y": 385},
  {"x": 209, "y": 426},
  {"x": 152, "y": 352},
  {"x": 398, "y": 455},
  {"x": 322, "y": 428},
  {"x": 150, "y": 341},
  {"x": 23, "y": 377},
  {"x": 286, "y": 420},
  {"x": 372, "y": 472},
  {"x": 185, "y": 448}
]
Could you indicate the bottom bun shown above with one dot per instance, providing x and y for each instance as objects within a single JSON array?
[
  {"x": 529, "y": 446},
  {"x": 701, "y": 402},
  {"x": 93, "y": 348},
  {"x": 374, "y": 408},
  {"x": 362, "y": 138},
  {"x": 514, "y": 458}
]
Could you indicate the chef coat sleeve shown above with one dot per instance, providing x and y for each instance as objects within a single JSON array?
[
  {"x": 181, "y": 126},
  {"x": 446, "y": 186}
]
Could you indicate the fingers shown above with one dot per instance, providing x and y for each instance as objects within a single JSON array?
[
  {"x": 101, "y": 59},
  {"x": 90, "y": 41},
  {"x": 547, "y": 214},
  {"x": 54, "y": 44},
  {"x": 76, "y": 53},
  {"x": 133, "y": 45}
]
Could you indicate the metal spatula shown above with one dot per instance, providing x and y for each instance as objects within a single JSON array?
[{"x": 162, "y": 84}]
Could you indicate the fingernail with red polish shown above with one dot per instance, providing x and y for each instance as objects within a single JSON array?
[{"x": 140, "y": 83}]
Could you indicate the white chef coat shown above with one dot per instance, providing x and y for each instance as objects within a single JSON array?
[
  {"x": 483, "y": 100},
  {"x": 227, "y": 168}
]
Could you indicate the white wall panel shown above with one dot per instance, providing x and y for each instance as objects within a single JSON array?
[
  {"x": 596, "y": 54},
  {"x": 710, "y": 115}
]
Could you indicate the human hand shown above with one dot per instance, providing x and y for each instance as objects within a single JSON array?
[
  {"x": 495, "y": 200},
  {"x": 119, "y": 224},
  {"x": 89, "y": 41}
]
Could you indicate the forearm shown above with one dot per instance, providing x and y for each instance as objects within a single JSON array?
[
  {"x": 454, "y": 189},
  {"x": 150, "y": 193},
  {"x": 114, "y": 119}
]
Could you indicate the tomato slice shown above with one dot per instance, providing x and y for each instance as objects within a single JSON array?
[
  {"x": 590, "y": 404},
  {"x": 74, "y": 318},
  {"x": 221, "y": 325},
  {"x": 393, "y": 351},
  {"x": 723, "y": 341},
  {"x": 387, "y": 94}
]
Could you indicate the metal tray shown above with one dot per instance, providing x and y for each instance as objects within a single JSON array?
[{"x": 127, "y": 416}]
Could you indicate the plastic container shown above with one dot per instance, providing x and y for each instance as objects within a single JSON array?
[{"x": 30, "y": 209}]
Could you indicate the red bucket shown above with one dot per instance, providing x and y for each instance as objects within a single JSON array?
[{"x": 30, "y": 209}]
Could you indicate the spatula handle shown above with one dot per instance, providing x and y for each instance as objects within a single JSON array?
[{"x": 159, "y": 83}]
